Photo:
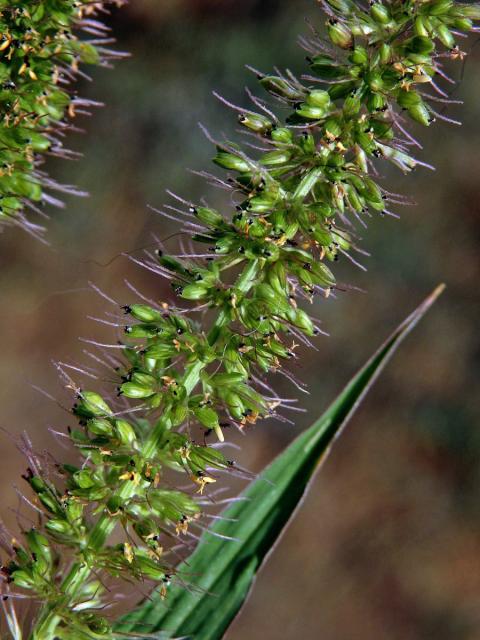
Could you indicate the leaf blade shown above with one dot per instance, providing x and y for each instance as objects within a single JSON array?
[{"x": 225, "y": 570}]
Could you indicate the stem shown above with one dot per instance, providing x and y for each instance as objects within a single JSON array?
[{"x": 49, "y": 617}]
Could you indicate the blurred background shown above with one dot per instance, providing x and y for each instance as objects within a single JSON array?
[{"x": 387, "y": 544}]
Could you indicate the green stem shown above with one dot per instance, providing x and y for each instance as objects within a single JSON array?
[{"x": 49, "y": 618}]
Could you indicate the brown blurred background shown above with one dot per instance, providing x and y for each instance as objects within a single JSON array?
[{"x": 387, "y": 545}]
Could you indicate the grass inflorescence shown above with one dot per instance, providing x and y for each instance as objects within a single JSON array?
[
  {"x": 41, "y": 54},
  {"x": 300, "y": 187}
]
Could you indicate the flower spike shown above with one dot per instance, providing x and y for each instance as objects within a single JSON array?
[
  {"x": 182, "y": 379},
  {"x": 40, "y": 57}
]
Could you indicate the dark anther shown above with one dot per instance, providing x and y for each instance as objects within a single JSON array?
[{"x": 28, "y": 475}]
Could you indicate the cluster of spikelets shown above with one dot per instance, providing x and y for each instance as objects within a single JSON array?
[
  {"x": 40, "y": 55},
  {"x": 299, "y": 194}
]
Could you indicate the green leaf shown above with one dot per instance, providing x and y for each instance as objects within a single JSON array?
[{"x": 221, "y": 572}]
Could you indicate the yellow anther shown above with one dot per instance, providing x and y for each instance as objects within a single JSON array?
[
  {"x": 456, "y": 54},
  {"x": 128, "y": 552},
  {"x": 202, "y": 480},
  {"x": 132, "y": 476},
  {"x": 181, "y": 528},
  {"x": 7, "y": 43}
]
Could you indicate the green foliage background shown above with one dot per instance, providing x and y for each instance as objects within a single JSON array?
[{"x": 386, "y": 544}]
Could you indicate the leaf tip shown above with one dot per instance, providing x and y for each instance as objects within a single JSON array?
[
  {"x": 433, "y": 297},
  {"x": 437, "y": 292}
]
